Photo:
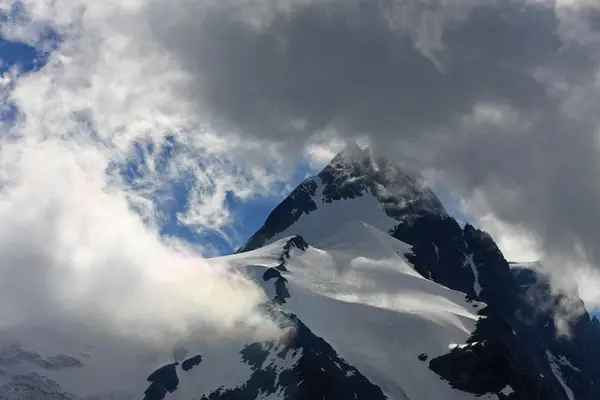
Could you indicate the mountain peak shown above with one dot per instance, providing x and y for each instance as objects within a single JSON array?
[
  {"x": 352, "y": 152},
  {"x": 355, "y": 185}
]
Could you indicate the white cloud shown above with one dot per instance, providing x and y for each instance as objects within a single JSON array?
[
  {"x": 72, "y": 248},
  {"x": 76, "y": 242},
  {"x": 320, "y": 154},
  {"x": 569, "y": 276},
  {"x": 108, "y": 85},
  {"x": 516, "y": 243},
  {"x": 587, "y": 283}
]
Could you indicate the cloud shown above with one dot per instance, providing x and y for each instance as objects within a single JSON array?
[
  {"x": 500, "y": 97},
  {"x": 72, "y": 249},
  {"x": 98, "y": 139},
  {"x": 516, "y": 243}
]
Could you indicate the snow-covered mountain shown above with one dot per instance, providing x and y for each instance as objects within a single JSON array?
[{"x": 380, "y": 295}]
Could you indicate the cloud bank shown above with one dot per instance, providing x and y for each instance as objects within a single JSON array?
[
  {"x": 90, "y": 150},
  {"x": 73, "y": 250},
  {"x": 499, "y": 98}
]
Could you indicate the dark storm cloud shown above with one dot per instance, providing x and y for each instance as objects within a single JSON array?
[
  {"x": 497, "y": 95},
  {"x": 342, "y": 64}
]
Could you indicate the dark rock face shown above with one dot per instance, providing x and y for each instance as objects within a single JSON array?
[
  {"x": 492, "y": 360},
  {"x": 191, "y": 362},
  {"x": 297, "y": 242},
  {"x": 315, "y": 370},
  {"x": 437, "y": 241},
  {"x": 575, "y": 352},
  {"x": 281, "y": 290},
  {"x": 271, "y": 273},
  {"x": 299, "y": 202},
  {"x": 164, "y": 380},
  {"x": 513, "y": 339}
]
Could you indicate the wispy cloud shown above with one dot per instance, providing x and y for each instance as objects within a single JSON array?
[{"x": 80, "y": 237}]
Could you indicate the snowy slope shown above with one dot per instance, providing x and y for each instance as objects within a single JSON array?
[
  {"x": 327, "y": 219},
  {"x": 355, "y": 291},
  {"x": 358, "y": 293}
]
